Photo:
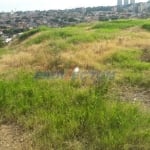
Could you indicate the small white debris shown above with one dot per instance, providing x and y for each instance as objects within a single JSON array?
[
  {"x": 8, "y": 40},
  {"x": 76, "y": 70}
]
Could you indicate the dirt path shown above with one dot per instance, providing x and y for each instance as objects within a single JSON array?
[{"x": 11, "y": 138}]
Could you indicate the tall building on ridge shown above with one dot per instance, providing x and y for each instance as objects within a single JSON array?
[
  {"x": 119, "y": 2},
  {"x": 126, "y": 2},
  {"x": 132, "y": 1}
]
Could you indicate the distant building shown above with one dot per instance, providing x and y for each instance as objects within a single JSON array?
[
  {"x": 126, "y": 2},
  {"x": 119, "y": 2},
  {"x": 132, "y": 1}
]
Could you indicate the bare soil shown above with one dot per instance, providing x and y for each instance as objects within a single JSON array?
[
  {"x": 135, "y": 95},
  {"x": 12, "y": 138}
]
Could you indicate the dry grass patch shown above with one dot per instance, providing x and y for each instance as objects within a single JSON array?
[
  {"x": 135, "y": 37},
  {"x": 33, "y": 57},
  {"x": 16, "y": 60},
  {"x": 90, "y": 54},
  {"x": 43, "y": 56}
]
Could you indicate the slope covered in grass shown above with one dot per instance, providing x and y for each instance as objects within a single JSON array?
[
  {"x": 87, "y": 112},
  {"x": 67, "y": 115}
]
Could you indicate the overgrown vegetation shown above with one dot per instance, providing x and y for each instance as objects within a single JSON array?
[
  {"x": 119, "y": 24},
  {"x": 146, "y": 26},
  {"x": 135, "y": 71},
  {"x": 66, "y": 115},
  {"x": 1, "y": 43},
  {"x": 31, "y": 32},
  {"x": 83, "y": 33},
  {"x": 71, "y": 113}
]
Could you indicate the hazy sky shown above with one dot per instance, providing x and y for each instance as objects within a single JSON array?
[{"x": 8, "y": 5}]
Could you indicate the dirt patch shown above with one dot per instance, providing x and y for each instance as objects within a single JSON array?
[
  {"x": 12, "y": 138},
  {"x": 135, "y": 95}
]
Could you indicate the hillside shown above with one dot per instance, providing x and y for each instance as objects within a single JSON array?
[{"x": 104, "y": 106}]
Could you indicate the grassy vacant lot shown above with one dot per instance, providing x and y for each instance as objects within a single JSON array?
[{"x": 77, "y": 114}]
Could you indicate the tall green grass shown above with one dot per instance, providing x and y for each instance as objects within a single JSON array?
[
  {"x": 31, "y": 32},
  {"x": 73, "y": 35},
  {"x": 27, "y": 34},
  {"x": 130, "y": 59},
  {"x": 68, "y": 115},
  {"x": 119, "y": 24},
  {"x": 81, "y": 33},
  {"x": 146, "y": 26},
  {"x": 135, "y": 70}
]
